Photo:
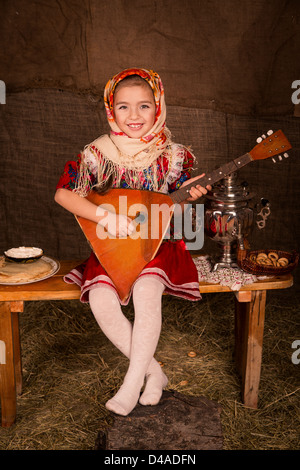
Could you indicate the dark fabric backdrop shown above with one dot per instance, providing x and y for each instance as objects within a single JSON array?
[
  {"x": 234, "y": 56},
  {"x": 227, "y": 67}
]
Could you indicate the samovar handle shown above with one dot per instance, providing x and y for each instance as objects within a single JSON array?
[{"x": 264, "y": 212}]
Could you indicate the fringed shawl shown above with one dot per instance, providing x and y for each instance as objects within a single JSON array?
[{"x": 157, "y": 177}]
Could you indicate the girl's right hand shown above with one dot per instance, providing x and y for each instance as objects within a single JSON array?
[{"x": 118, "y": 225}]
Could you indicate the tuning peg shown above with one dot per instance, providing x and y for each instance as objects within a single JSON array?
[
  {"x": 260, "y": 139},
  {"x": 279, "y": 158},
  {"x": 286, "y": 155}
]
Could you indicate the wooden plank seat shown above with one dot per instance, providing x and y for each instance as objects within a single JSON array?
[{"x": 249, "y": 325}]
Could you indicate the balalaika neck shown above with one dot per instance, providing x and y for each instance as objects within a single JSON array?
[{"x": 213, "y": 177}]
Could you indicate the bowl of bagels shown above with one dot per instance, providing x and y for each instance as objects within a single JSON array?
[{"x": 268, "y": 262}]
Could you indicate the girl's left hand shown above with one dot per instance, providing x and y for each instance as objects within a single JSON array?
[{"x": 196, "y": 191}]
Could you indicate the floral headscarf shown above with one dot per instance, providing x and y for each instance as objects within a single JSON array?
[
  {"x": 149, "y": 76},
  {"x": 151, "y": 145}
]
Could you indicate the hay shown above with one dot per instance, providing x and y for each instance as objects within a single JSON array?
[{"x": 70, "y": 370}]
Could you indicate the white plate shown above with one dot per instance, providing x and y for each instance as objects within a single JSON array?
[{"x": 54, "y": 268}]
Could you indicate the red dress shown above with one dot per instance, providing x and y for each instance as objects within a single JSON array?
[{"x": 172, "y": 265}]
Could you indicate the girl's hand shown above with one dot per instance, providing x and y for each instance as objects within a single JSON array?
[
  {"x": 117, "y": 225},
  {"x": 196, "y": 191}
]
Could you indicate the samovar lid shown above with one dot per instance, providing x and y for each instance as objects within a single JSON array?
[{"x": 230, "y": 190}]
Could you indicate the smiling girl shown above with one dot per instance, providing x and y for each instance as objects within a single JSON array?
[{"x": 139, "y": 154}]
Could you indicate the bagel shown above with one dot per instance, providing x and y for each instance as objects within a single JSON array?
[
  {"x": 261, "y": 256},
  {"x": 262, "y": 260},
  {"x": 192, "y": 354},
  {"x": 283, "y": 262},
  {"x": 273, "y": 256}
]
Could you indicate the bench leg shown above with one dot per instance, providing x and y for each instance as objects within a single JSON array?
[
  {"x": 17, "y": 307},
  {"x": 249, "y": 329},
  {"x": 7, "y": 370}
]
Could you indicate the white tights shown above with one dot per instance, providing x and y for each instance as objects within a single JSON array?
[{"x": 138, "y": 343}]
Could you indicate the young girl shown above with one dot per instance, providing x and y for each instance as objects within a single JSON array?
[{"x": 138, "y": 154}]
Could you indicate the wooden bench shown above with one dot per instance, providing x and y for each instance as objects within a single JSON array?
[{"x": 249, "y": 324}]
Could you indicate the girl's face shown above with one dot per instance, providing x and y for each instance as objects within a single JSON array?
[{"x": 134, "y": 110}]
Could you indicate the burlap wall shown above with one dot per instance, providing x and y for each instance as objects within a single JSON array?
[
  {"x": 227, "y": 67},
  {"x": 234, "y": 56}
]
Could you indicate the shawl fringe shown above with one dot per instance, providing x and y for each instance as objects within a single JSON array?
[{"x": 102, "y": 167}]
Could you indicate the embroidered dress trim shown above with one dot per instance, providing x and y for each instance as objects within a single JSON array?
[{"x": 189, "y": 291}]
